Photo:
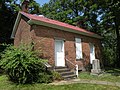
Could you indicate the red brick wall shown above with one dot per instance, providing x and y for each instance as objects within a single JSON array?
[
  {"x": 23, "y": 34},
  {"x": 44, "y": 37}
]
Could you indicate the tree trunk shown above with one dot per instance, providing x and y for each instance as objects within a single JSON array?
[
  {"x": 118, "y": 41},
  {"x": 116, "y": 13}
]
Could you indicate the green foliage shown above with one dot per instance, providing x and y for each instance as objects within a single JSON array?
[
  {"x": 8, "y": 14},
  {"x": 23, "y": 66},
  {"x": 72, "y": 11},
  {"x": 56, "y": 76},
  {"x": 45, "y": 77}
]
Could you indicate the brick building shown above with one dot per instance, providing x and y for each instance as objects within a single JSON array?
[{"x": 62, "y": 44}]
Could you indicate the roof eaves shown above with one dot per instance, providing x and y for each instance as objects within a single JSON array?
[
  {"x": 16, "y": 25},
  {"x": 31, "y": 22}
]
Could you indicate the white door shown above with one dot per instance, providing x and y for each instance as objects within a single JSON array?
[
  {"x": 92, "y": 53},
  {"x": 59, "y": 53}
]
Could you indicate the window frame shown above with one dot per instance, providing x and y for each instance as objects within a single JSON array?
[{"x": 78, "y": 48}]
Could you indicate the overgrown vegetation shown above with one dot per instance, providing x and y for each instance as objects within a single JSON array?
[{"x": 23, "y": 66}]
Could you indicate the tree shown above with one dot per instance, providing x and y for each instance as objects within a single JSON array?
[
  {"x": 8, "y": 14},
  {"x": 73, "y": 12},
  {"x": 113, "y": 13}
]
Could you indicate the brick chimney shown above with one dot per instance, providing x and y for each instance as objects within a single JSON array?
[
  {"x": 80, "y": 23},
  {"x": 24, "y": 6}
]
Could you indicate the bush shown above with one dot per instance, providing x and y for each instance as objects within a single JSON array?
[
  {"x": 56, "y": 76},
  {"x": 23, "y": 66},
  {"x": 46, "y": 77}
]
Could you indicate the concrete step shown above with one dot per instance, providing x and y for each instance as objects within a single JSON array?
[
  {"x": 69, "y": 76},
  {"x": 60, "y": 67},
  {"x": 62, "y": 70},
  {"x": 65, "y": 72}
]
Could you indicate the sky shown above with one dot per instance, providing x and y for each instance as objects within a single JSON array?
[{"x": 41, "y": 2}]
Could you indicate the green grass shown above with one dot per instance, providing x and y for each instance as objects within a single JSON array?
[
  {"x": 111, "y": 75},
  {"x": 7, "y": 85}
]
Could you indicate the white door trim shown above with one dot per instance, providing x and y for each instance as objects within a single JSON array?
[{"x": 59, "y": 53}]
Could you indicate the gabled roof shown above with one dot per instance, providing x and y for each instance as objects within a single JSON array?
[{"x": 41, "y": 20}]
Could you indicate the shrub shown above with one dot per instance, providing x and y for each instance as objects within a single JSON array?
[
  {"x": 46, "y": 77},
  {"x": 23, "y": 66},
  {"x": 56, "y": 76}
]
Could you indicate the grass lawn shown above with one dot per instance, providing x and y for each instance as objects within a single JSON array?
[
  {"x": 112, "y": 75},
  {"x": 7, "y": 85}
]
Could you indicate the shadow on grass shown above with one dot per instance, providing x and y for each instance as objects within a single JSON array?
[
  {"x": 113, "y": 71},
  {"x": 2, "y": 72}
]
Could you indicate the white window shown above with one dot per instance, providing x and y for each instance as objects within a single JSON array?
[{"x": 78, "y": 48}]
